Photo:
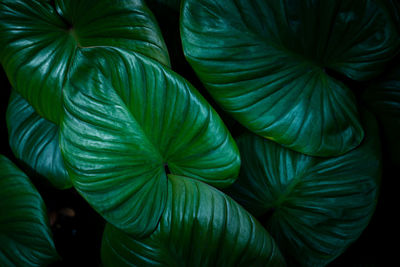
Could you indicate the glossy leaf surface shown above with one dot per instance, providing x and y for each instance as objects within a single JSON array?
[
  {"x": 200, "y": 226},
  {"x": 383, "y": 97},
  {"x": 25, "y": 236},
  {"x": 40, "y": 42},
  {"x": 35, "y": 141},
  {"x": 123, "y": 126},
  {"x": 313, "y": 207},
  {"x": 268, "y": 64}
]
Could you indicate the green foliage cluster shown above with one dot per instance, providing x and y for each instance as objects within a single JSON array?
[{"x": 272, "y": 125}]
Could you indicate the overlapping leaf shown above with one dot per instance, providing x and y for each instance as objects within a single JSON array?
[
  {"x": 200, "y": 226},
  {"x": 316, "y": 206},
  {"x": 40, "y": 42},
  {"x": 25, "y": 237},
  {"x": 268, "y": 62},
  {"x": 35, "y": 141},
  {"x": 124, "y": 127},
  {"x": 383, "y": 97}
]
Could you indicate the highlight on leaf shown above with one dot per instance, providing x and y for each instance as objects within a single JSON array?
[
  {"x": 43, "y": 39},
  {"x": 35, "y": 141},
  {"x": 313, "y": 207},
  {"x": 200, "y": 226},
  {"x": 267, "y": 63},
  {"x": 123, "y": 125}
]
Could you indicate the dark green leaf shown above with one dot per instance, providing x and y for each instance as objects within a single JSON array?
[
  {"x": 266, "y": 63},
  {"x": 383, "y": 97},
  {"x": 313, "y": 207},
  {"x": 201, "y": 226},
  {"x": 167, "y": 15},
  {"x": 34, "y": 140},
  {"x": 25, "y": 236},
  {"x": 123, "y": 126},
  {"x": 40, "y": 42}
]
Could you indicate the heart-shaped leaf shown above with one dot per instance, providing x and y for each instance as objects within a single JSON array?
[
  {"x": 124, "y": 127},
  {"x": 40, "y": 42},
  {"x": 25, "y": 236},
  {"x": 200, "y": 226},
  {"x": 383, "y": 97},
  {"x": 34, "y": 140},
  {"x": 313, "y": 207},
  {"x": 268, "y": 63}
]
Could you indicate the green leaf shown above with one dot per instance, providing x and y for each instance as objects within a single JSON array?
[
  {"x": 123, "y": 126},
  {"x": 34, "y": 140},
  {"x": 25, "y": 236},
  {"x": 200, "y": 226},
  {"x": 268, "y": 64},
  {"x": 383, "y": 97},
  {"x": 313, "y": 207},
  {"x": 40, "y": 42}
]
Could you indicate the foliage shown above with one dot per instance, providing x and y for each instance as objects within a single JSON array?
[
  {"x": 25, "y": 235},
  {"x": 262, "y": 152}
]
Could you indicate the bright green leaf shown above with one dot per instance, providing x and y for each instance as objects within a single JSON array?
[
  {"x": 268, "y": 64},
  {"x": 200, "y": 226},
  {"x": 40, "y": 42},
  {"x": 34, "y": 140},
  {"x": 25, "y": 236},
  {"x": 313, "y": 207},
  {"x": 123, "y": 126}
]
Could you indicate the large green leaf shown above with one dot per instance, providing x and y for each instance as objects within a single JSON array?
[
  {"x": 200, "y": 226},
  {"x": 34, "y": 140},
  {"x": 313, "y": 207},
  {"x": 268, "y": 63},
  {"x": 124, "y": 127},
  {"x": 25, "y": 236},
  {"x": 383, "y": 97},
  {"x": 40, "y": 42}
]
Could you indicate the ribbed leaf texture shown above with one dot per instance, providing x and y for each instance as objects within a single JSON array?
[
  {"x": 127, "y": 126},
  {"x": 40, "y": 42},
  {"x": 200, "y": 226},
  {"x": 313, "y": 207},
  {"x": 35, "y": 141},
  {"x": 25, "y": 236},
  {"x": 269, "y": 64}
]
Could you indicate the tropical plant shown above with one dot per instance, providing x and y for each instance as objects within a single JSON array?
[{"x": 236, "y": 133}]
